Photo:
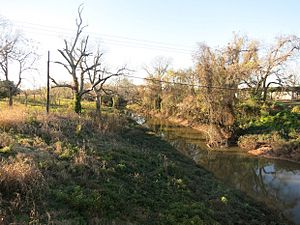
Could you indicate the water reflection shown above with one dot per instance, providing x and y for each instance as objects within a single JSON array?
[{"x": 275, "y": 182}]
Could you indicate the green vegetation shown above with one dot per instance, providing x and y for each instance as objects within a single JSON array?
[
  {"x": 276, "y": 126},
  {"x": 5, "y": 86},
  {"x": 65, "y": 169},
  {"x": 210, "y": 96},
  {"x": 221, "y": 80}
]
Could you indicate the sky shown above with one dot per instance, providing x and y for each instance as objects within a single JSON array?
[{"x": 134, "y": 32}]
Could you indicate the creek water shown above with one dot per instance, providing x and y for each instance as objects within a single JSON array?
[{"x": 274, "y": 182}]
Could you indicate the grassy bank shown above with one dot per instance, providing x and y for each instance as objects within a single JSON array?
[{"x": 65, "y": 169}]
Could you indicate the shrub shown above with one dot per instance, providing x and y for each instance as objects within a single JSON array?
[
  {"x": 296, "y": 109},
  {"x": 284, "y": 122},
  {"x": 278, "y": 106},
  {"x": 111, "y": 123},
  {"x": 254, "y": 141},
  {"x": 248, "y": 142},
  {"x": 247, "y": 111}
]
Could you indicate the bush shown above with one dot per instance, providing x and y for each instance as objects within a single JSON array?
[
  {"x": 278, "y": 106},
  {"x": 254, "y": 141},
  {"x": 296, "y": 109},
  {"x": 247, "y": 111},
  {"x": 248, "y": 142},
  {"x": 284, "y": 122}
]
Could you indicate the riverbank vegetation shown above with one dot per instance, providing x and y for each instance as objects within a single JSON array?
[
  {"x": 63, "y": 168},
  {"x": 273, "y": 132},
  {"x": 271, "y": 126},
  {"x": 229, "y": 93}
]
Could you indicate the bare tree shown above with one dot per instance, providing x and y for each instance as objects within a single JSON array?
[
  {"x": 3, "y": 40},
  {"x": 293, "y": 82},
  {"x": 6, "y": 55},
  {"x": 98, "y": 76},
  {"x": 270, "y": 66},
  {"x": 158, "y": 67},
  {"x": 73, "y": 54},
  {"x": 82, "y": 65},
  {"x": 156, "y": 75},
  {"x": 18, "y": 52}
]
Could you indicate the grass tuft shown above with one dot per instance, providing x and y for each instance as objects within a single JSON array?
[{"x": 20, "y": 175}]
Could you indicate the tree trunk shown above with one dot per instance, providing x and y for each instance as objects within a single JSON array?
[
  {"x": 98, "y": 104},
  {"x": 265, "y": 92},
  {"x": 77, "y": 101},
  {"x": 115, "y": 101},
  {"x": 293, "y": 95},
  {"x": 10, "y": 96},
  {"x": 26, "y": 99}
]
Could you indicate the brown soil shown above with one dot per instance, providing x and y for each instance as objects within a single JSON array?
[
  {"x": 264, "y": 150},
  {"x": 268, "y": 152},
  {"x": 180, "y": 121}
]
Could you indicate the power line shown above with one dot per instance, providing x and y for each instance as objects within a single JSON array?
[
  {"x": 183, "y": 84},
  {"x": 111, "y": 38},
  {"x": 122, "y": 43},
  {"x": 102, "y": 34}
]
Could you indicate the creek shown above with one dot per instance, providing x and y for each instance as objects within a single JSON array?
[{"x": 272, "y": 181}]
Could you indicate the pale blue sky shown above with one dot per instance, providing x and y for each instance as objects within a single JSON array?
[{"x": 120, "y": 26}]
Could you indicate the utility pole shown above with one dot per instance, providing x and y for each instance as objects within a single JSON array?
[{"x": 48, "y": 83}]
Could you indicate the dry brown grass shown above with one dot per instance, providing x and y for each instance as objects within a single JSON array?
[
  {"x": 47, "y": 150},
  {"x": 57, "y": 126},
  {"x": 91, "y": 164},
  {"x": 22, "y": 186},
  {"x": 20, "y": 175},
  {"x": 111, "y": 123},
  {"x": 12, "y": 117},
  {"x": 5, "y": 140}
]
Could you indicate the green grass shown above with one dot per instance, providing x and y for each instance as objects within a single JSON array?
[{"x": 108, "y": 170}]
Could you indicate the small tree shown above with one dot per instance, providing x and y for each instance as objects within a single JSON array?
[
  {"x": 156, "y": 74},
  {"x": 98, "y": 76},
  {"x": 127, "y": 90},
  {"x": 220, "y": 73},
  {"x": 5, "y": 87},
  {"x": 180, "y": 85}
]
